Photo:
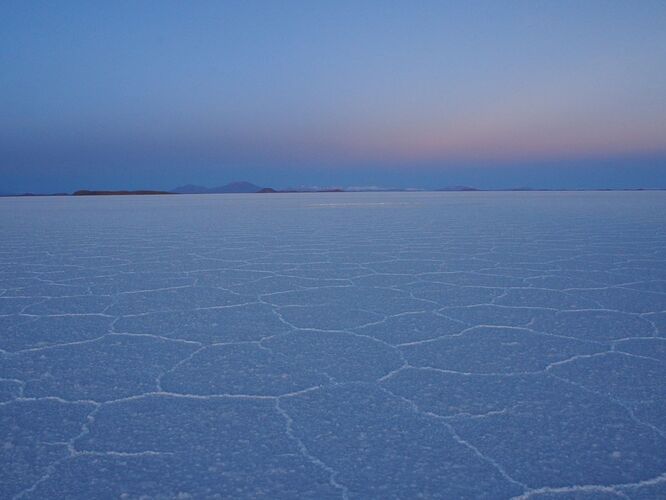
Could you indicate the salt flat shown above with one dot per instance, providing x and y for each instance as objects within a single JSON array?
[{"x": 365, "y": 345}]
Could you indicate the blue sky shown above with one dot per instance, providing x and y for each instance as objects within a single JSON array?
[{"x": 143, "y": 94}]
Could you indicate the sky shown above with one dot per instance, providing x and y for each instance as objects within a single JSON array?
[{"x": 155, "y": 94}]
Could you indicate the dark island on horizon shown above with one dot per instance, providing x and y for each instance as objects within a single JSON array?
[
  {"x": 85, "y": 192},
  {"x": 245, "y": 187}
]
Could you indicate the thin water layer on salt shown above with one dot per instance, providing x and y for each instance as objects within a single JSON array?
[{"x": 340, "y": 345}]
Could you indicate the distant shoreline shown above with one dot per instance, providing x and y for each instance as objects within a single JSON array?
[
  {"x": 85, "y": 192},
  {"x": 147, "y": 192}
]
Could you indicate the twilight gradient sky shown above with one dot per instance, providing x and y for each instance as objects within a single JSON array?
[{"x": 154, "y": 94}]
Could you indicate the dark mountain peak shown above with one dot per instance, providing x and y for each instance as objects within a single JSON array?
[
  {"x": 86, "y": 192},
  {"x": 232, "y": 187},
  {"x": 237, "y": 187},
  {"x": 457, "y": 188}
]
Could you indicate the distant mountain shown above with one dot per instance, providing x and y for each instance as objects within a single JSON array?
[
  {"x": 370, "y": 189},
  {"x": 237, "y": 187},
  {"x": 248, "y": 187},
  {"x": 232, "y": 187},
  {"x": 85, "y": 192},
  {"x": 23, "y": 195},
  {"x": 305, "y": 189},
  {"x": 457, "y": 188}
]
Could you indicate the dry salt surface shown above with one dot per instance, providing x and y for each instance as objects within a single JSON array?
[{"x": 340, "y": 345}]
